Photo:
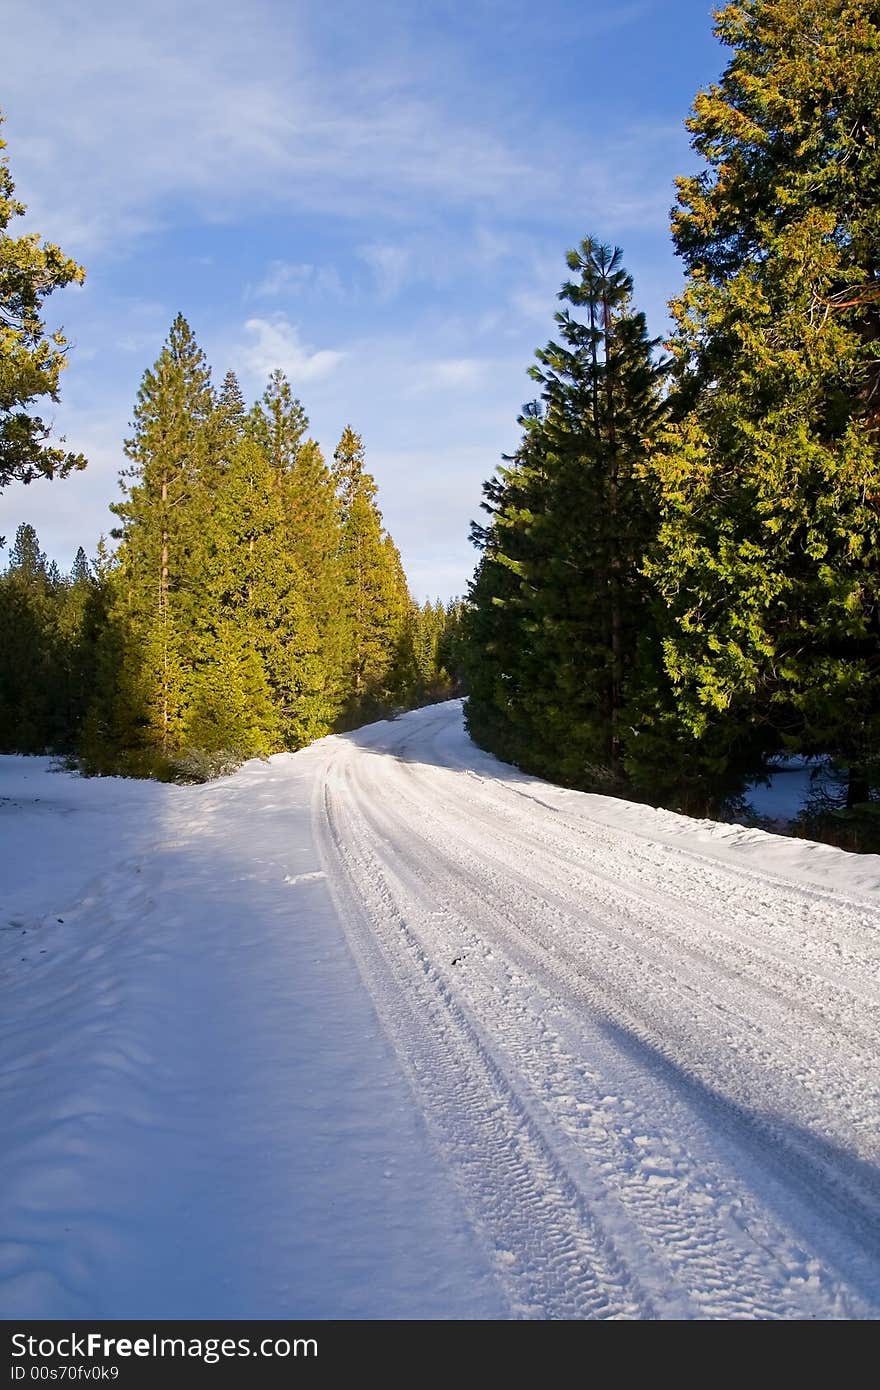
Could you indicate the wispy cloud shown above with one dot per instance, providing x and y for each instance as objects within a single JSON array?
[
  {"x": 143, "y": 327},
  {"x": 219, "y": 113},
  {"x": 286, "y": 279},
  {"x": 165, "y": 105},
  {"x": 392, "y": 267},
  {"x": 449, "y": 374}
]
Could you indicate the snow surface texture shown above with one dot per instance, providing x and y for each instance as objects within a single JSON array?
[{"x": 388, "y": 1029}]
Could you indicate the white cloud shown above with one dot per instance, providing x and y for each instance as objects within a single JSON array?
[
  {"x": 275, "y": 342},
  {"x": 432, "y": 258}
]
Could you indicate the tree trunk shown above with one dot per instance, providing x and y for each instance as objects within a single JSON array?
[
  {"x": 614, "y": 552},
  {"x": 858, "y": 787},
  {"x": 163, "y": 608}
]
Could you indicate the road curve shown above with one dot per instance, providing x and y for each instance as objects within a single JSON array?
[{"x": 649, "y": 1067}]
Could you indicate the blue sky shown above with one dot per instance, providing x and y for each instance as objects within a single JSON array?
[{"x": 376, "y": 197}]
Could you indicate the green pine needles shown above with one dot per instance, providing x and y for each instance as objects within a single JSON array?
[
  {"x": 559, "y": 605},
  {"x": 681, "y": 576},
  {"x": 254, "y": 601},
  {"x": 31, "y": 358}
]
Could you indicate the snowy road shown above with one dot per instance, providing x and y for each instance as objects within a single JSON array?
[
  {"x": 654, "y": 1074},
  {"x": 625, "y": 1064}
]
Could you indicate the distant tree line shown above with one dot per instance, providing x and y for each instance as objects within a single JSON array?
[
  {"x": 254, "y": 601},
  {"x": 681, "y": 573}
]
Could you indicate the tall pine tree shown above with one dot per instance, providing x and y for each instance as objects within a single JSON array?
[
  {"x": 375, "y": 598},
  {"x": 28, "y": 648},
  {"x": 168, "y": 449},
  {"x": 560, "y": 611}
]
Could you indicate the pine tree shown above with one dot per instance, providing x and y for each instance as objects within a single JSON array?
[
  {"x": 450, "y": 650},
  {"x": 231, "y": 708},
  {"x": 238, "y": 616},
  {"x": 26, "y": 558},
  {"x": 311, "y": 527},
  {"x": 73, "y": 675},
  {"x": 314, "y": 535},
  {"x": 376, "y": 600},
  {"x": 428, "y": 661},
  {"x": 769, "y": 550},
  {"x": 170, "y": 445},
  {"x": 27, "y": 648},
  {"x": 80, "y": 572},
  {"x": 278, "y": 423},
  {"x": 559, "y": 608},
  {"x": 252, "y": 642},
  {"x": 31, "y": 360},
  {"x": 116, "y": 735},
  {"x": 228, "y": 422},
  {"x": 231, "y": 401},
  {"x": 349, "y": 475}
]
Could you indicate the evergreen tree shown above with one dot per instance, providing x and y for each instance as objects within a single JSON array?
[
  {"x": 231, "y": 401},
  {"x": 229, "y": 420},
  {"x": 47, "y": 651},
  {"x": 80, "y": 572},
  {"x": 769, "y": 549},
  {"x": 27, "y": 648},
  {"x": 238, "y": 616},
  {"x": 115, "y": 736},
  {"x": 170, "y": 445},
  {"x": 349, "y": 475},
  {"x": 278, "y": 423},
  {"x": 310, "y": 531},
  {"x": 231, "y": 708},
  {"x": 559, "y": 610},
  {"x": 429, "y": 661},
  {"x": 73, "y": 674},
  {"x": 375, "y": 597},
  {"x": 31, "y": 360},
  {"x": 252, "y": 643},
  {"x": 26, "y": 558},
  {"x": 428, "y": 626},
  {"x": 314, "y": 536},
  {"x": 450, "y": 650}
]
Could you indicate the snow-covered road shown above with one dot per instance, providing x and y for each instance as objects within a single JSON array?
[{"x": 399, "y": 1031}]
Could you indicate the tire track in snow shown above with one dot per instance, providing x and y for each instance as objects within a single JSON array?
[
  {"x": 458, "y": 869},
  {"x": 793, "y": 916},
  {"x": 695, "y": 868},
  {"x": 670, "y": 939},
  {"x": 551, "y": 1253},
  {"x": 707, "y": 1234}
]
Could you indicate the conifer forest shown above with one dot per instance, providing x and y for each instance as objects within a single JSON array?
[
  {"x": 253, "y": 600},
  {"x": 679, "y": 573}
]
